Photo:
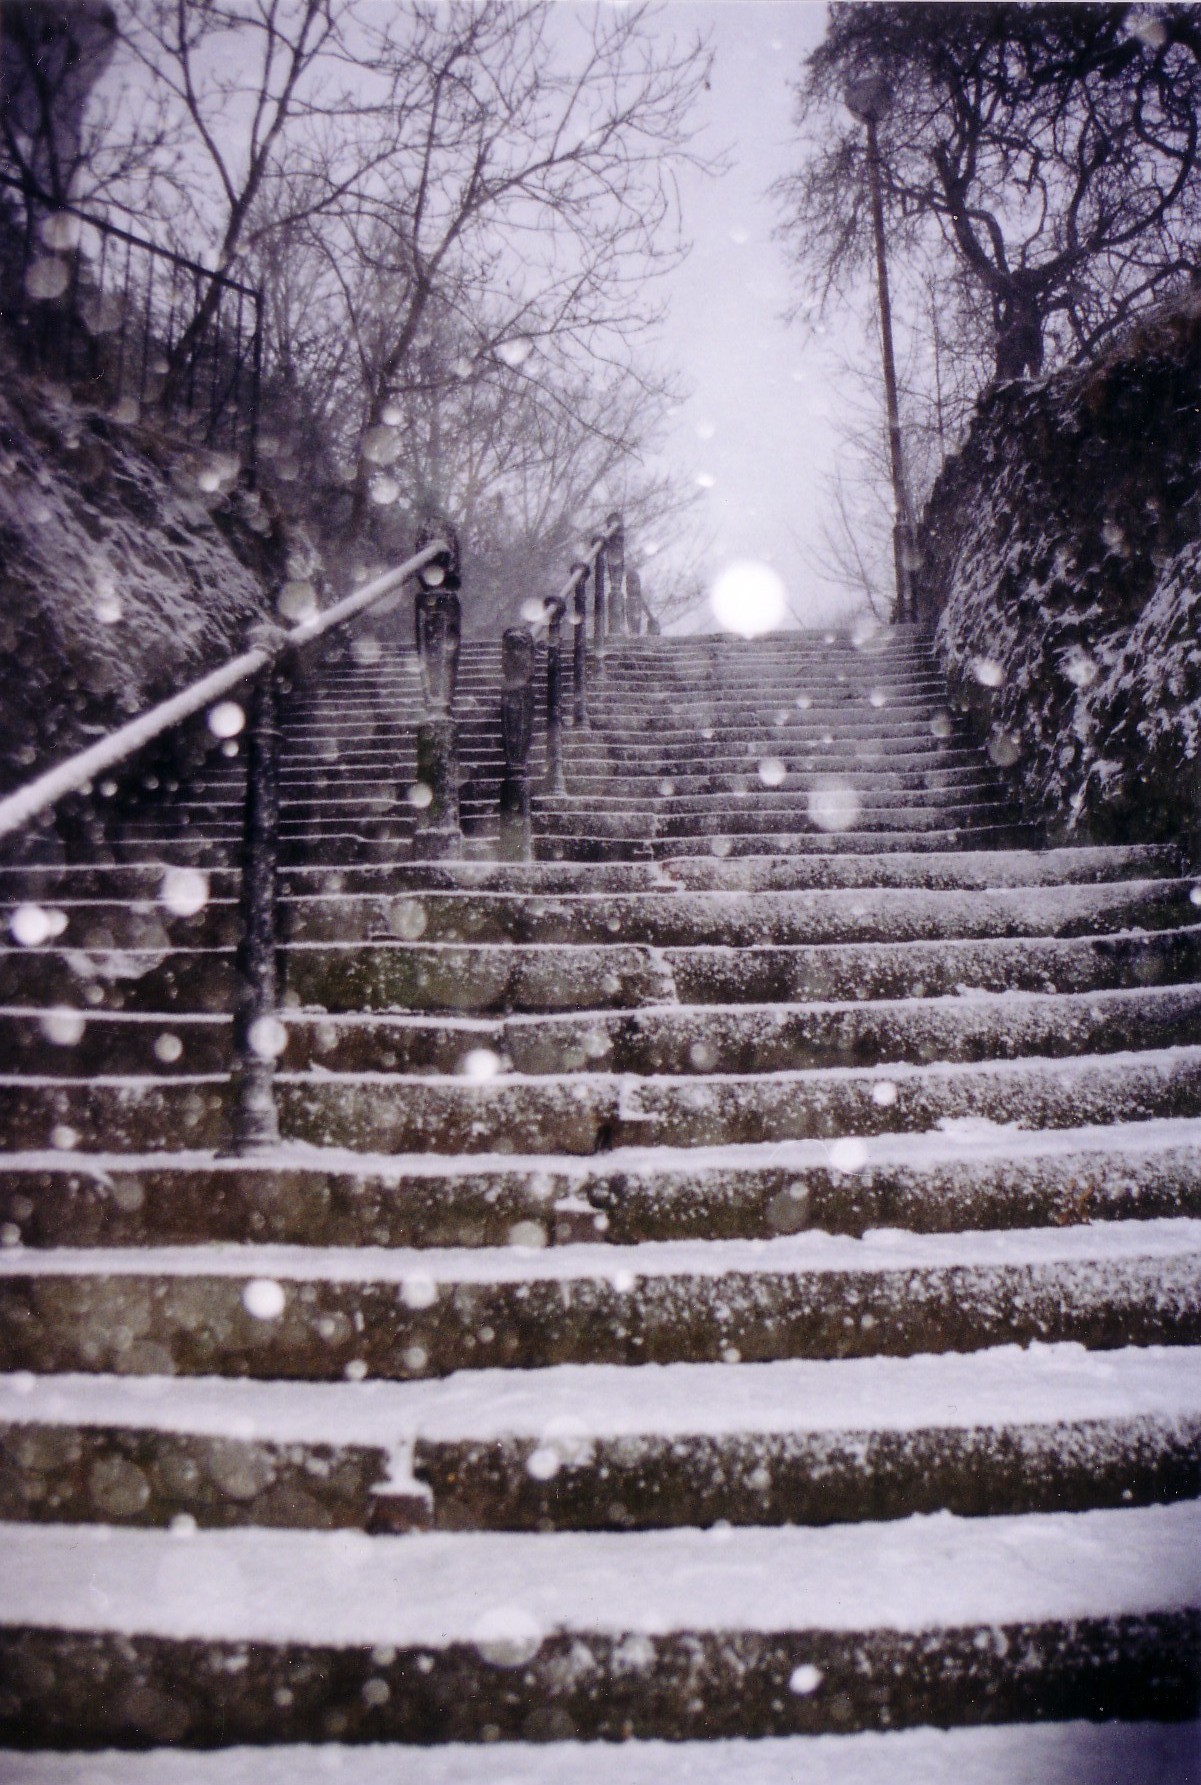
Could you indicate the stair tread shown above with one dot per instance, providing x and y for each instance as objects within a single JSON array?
[
  {"x": 1014, "y": 1386},
  {"x": 1068, "y": 1753},
  {"x": 878, "y": 1252},
  {"x": 432, "y": 1590}
]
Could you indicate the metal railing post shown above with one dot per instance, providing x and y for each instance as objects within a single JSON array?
[
  {"x": 634, "y": 608},
  {"x": 517, "y": 731},
  {"x": 615, "y": 556},
  {"x": 259, "y": 1036},
  {"x": 438, "y": 625},
  {"x": 579, "y": 650},
  {"x": 599, "y": 606},
  {"x": 555, "y": 781}
]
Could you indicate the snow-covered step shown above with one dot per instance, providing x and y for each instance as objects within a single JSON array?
[
  {"x": 787, "y": 791},
  {"x": 983, "y": 869},
  {"x": 220, "y": 1636},
  {"x": 590, "y": 754},
  {"x": 1072, "y": 1753},
  {"x": 690, "y": 785},
  {"x": 675, "y": 918},
  {"x": 970, "y": 1175},
  {"x": 482, "y": 1109},
  {"x": 555, "y": 841},
  {"x": 903, "y": 819},
  {"x": 678, "y": 1040},
  {"x": 598, "y": 1447},
  {"x": 399, "y": 1314}
]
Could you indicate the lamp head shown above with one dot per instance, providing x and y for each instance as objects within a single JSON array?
[{"x": 868, "y": 98}]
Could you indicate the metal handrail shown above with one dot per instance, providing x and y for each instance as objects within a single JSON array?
[
  {"x": 167, "y": 306},
  {"x": 256, "y": 1021},
  {"x": 437, "y": 615},
  {"x": 17, "y": 808}
]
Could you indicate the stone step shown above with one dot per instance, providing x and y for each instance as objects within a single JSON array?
[
  {"x": 679, "y": 792},
  {"x": 656, "y": 918},
  {"x": 680, "y": 918},
  {"x": 1060, "y": 1753},
  {"x": 331, "y": 1315},
  {"x": 588, "y": 1112},
  {"x": 827, "y": 805},
  {"x": 689, "y": 707},
  {"x": 441, "y": 1636},
  {"x": 602, "y": 1447},
  {"x": 700, "y": 1039},
  {"x": 640, "y": 730},
  {"x": 980, "y": 868},
  {"x": 584, "y": 752},
  {"x": 840, "y": 816},
  {"x": 553, "y": 841},
  {"x": 648, "y": 787},
  {"x": 970, "y": 1176},
  {"x": 484, "y": 977}
]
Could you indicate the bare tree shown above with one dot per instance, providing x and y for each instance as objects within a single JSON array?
[
  {"x": 502, "y": 172},
  {"x": 1052, "y": 152}
]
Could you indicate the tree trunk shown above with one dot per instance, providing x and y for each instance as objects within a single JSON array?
[{"x": 1019, "y": 325}]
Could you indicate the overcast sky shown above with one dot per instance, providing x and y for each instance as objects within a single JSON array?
[{"x": 758, "y": 420}]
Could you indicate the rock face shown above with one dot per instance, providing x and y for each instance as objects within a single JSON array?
[
  {"x": 735, "y": 1278},
  {"x": 1062, "y": 554},
  {"x": 121, "y": 577}
]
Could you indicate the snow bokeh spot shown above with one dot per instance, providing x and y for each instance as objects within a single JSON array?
[
  {"x": 805, "y": 1679},
  {"x": 31, "y": 925},
  {"x": 264, "y": 1298},
  {"x": 528, "y": 1234},
  {"x": 297, "y": 600},
  {"x": 834, "y": 806},
  {"x": 62, "y": 1026},
  {"x": 380, "y": 445},
  {"x": 987, "y": 671},
  {"x": 407, "y": 919},
  {"x": 419, "y": 1292},
  {"x": 47, "y": 278},
  {"x": 226, "y": 719},
  {"x": 479, "y": 1064},
  {"x": 267, "y": 1037},
  {"x": 515, "y": 353},
  {"x": 1079, "y": 668},
  {"x": 184, "y": 891},
  {"x": 507, "y": 1636},
  {"x": 772, "y": 771},
  {"x": 849, "y": 1154},
  {"x": 107, "y": 604},
  {"x": 748, "y": 599}
]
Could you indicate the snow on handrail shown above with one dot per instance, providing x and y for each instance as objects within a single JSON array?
[
  {"x": 585, "y": 565},
  {"x": 69, "y": 777}
]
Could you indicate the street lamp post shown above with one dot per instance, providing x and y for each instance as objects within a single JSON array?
[{"x": 868, "y": 100}]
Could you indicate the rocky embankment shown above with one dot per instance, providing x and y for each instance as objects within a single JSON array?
[
  {"x": 1062, "y": 567},
  {"x": 128, "y": 566}
]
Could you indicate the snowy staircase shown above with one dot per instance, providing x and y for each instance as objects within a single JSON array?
[{"x": 731, "y": 1287}]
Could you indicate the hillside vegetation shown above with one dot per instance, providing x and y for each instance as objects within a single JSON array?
[
  {"x": 127, "y": 568},
  {"x": 1062, "y": 569}
]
